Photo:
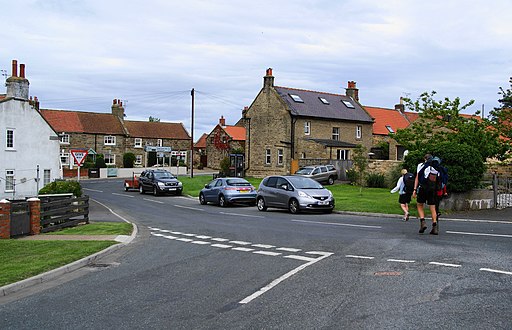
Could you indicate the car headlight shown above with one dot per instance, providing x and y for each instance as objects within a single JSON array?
[
  {"x": 303, "y": 194},
  {"x": 180, "y": 184},
  {"x": 161, "y": 184},
  {"x": 330, "y": 193}
]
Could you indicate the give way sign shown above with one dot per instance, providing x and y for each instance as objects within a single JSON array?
[{"x": 79, "y": 156}]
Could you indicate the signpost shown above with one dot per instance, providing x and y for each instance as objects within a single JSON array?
[{"x": 79, "y": 156}]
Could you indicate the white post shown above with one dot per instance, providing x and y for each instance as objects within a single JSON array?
[{"x": 78, "y": 169}]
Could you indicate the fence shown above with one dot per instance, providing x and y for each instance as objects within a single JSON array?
[
  {"x": 20, "y": 218},
  {"x": 63, "y": 212},
  {"x": 502, "y": 187}
]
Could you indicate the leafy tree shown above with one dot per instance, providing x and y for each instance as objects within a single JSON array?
[
  {"x": 360, "y": 161},
  {"x": 501, "y": 118},
  {"x": 154, "y": 119},
  {"x": 61, "y": 187},
  {"x": 129, "y": 159},
  {"x": 100, "y": 161}
]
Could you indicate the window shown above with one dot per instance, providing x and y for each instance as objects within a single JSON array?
[
  {"x": 390, "y": 129},
  {"x": 359, "y": 131},
  {"x": 341, "y": 154},
  {"x": 307, "y": 128},
  {"x": 336, "y": 133},
  {"x": 303, "y": 155},
  {"x": 10, "y": 139},
  {"x": 109, "y": 140},
  {"x": 296, "y": 98},
  {"x": 324, "y": 101},
  {"x": 46, "y": 177},
  {"x": 64, "y": 138},
  {"x": 280, "y": 156},
  {"x": 159, "y": 142},
  {"x": 348, "y": 104},
  {"x": 138, "y": 159},
  {"x": 64, "y": 157},
  {"x": 268, "y": 157},
  {"x": 110, "y": 159},
  {"x": 137, "y": 143},
  {"x": 9, "y": 180}
]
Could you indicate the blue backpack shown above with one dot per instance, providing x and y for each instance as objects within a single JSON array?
[{"x": 434, "y": 182}]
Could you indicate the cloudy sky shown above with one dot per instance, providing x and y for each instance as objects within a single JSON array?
[{"x": 81, "y": 54}]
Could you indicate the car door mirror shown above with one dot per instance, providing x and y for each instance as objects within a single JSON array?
[
  {"x": 284, "y": 186},
  {"x": 207, "y": 186}
]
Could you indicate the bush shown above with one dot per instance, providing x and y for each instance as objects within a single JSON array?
[
  {"x": 224, "y": 165},
  {"x": 100, "y": 161},
  {"x": 352, "y": 175},
  {"x": 375, "y": 180},
  {"x": 129, "y": 159},
  {"x": 395, "y": 173},
  {"x": 62, "y": 187}
]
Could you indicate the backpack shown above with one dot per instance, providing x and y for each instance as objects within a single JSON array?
[
  {"x": 408, "y": 179},
  {"x": 433, "y": 182}
]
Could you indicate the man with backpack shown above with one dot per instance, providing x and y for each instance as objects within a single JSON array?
[
  {"x": 405, "y": 187},
  {"x": 425, "y": 186}
]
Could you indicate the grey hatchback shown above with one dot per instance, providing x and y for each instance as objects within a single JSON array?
[
  {"x": 294, "y": 193},
  {"x": 223, "y": 191}
]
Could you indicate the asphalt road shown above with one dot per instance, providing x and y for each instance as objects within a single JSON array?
[{"x": 206, "y": 267}]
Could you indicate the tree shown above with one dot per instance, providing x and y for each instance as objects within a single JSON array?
[
  {"x": 154, "y": 119},
  {"x": 360, "y": 160},
  {"x": 501, "y": 118},
  {"x": 100, "y": 161},
  {"x": 129, "y": 159}
]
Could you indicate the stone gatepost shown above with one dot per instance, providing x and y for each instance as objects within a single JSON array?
[
  {"x": 34, "y": 205},
  {"x": 5, "y": 219}
]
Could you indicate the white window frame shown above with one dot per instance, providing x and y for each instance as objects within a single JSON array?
[
  {"x": 9, "y": 139},
  {"x": 307, "y": 128},
  {"x": 341, "y": 154},
  {"x": 64, "y": 138},
  {"x": 138, "y": 159},
  {"x": 47, "y": 176},
  {"x": 280, "y": 156},
  {"x": 110, "y": 159},
  {"x": 64, "y": 157},
  {"x": 359, "y": 131},
  {"x": 137, "y": 143},
  {"x": 159, "y": 143},
  {"x": 268, "y": 157},
  {"x": 109, "y": 140},
  {"x": 9, "y": 180},
  {"x": 336, "y": 133}
]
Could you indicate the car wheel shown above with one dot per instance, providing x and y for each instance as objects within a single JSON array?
[
  {"x": 202, "y": 201},
  {"x": 155, "y": 191},
  {"x": 330, "y": 181},
  {"x": 222, "y": 201},
  {"x": 260, "y": 203},
  {"x": 293, "y": 206},
  {"x": 141, "y": 190}
]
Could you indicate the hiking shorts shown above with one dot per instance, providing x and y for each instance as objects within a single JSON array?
[
  {"x": 430, "y": 197},
  {"x": 404, "y": 198}
]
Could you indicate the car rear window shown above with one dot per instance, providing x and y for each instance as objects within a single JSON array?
[
  {"x": 304, "y": 171},
  {"x": 238, "y": 183}
]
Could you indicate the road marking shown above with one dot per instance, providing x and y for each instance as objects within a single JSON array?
[
  {"x": 156, "y": 234},
  {"x": 358, "y": 257},
  {"x": 495, "y": 271},
  {"x": 400, "y": 260},
  {"x": 263, "y": 246},
  {"x": 176, "y": 233},
  {"x": 240, "y": 242},
  {"x": 200, "y": 242},
  {"x": 124, "y": 195},
  {"x": 218, "y": 239},
  {"x": 222, "y": 246},
  {"x": 203, "y": 237},
  {"x": 443, "y": 264},
  {"x": 89, "y": 189},
  {"x": 189, "y": 208},
  {"x": 170, "y": 237},
  {"x": 242, "y": 215},
  {"x": 478, "y": 234},
  {"x": 184, "y": 239},
  {"x": 299, "y": 258},
  {"x": 243, "y": 249},
  {"x": 268, "y": 253},
  {"x": 477, "y": 220},
  {"x": 337, "y": 224},
  {"x": 288, "y": 249},
  {"x": 189, "y": 235},
  {"x": 152, "y": 200},
  {"x": 280, "y": 279}
]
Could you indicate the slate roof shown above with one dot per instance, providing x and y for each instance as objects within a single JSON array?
[
  {"x": 387, "y": 117},
  {"x": 314, "y": 107}
]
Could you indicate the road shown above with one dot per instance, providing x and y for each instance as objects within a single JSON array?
[{"x": 206, "y": 267}]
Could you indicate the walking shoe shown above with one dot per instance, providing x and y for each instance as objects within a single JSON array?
[
  {"x": 435, "y": 229},
  {"x": 407, "y": 216},
  {"x": 423, "y": 226}
]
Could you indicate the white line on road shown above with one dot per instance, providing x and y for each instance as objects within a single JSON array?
[
  {"x": 203, "y": 237},
  {"x": 243, "y": 249},
  {"x": 264, "y": 246},
  {"x": 337, "y": 224},
  {"x": 89, "y": 189},
  {"x": 222, "y": 246},
  {"x": 240, "y": 242},
  {"x": 268, "y": 253},
  {"x": 184, "y": 239},
  {"x": 200, "y": 242},
  {"x": 218, "y": 239},
  {"x": 299, "y": 258},
  {"x": 288, "y": 249},
  {"x": 495, "y": 271},
  {"x": 190, "y": 208},
  {"x": 189, "y": 235},
  {"x": 152, "y": 200},
  {"x": 478, "y": 234},
  {"x": 443, "y": 264},
  {"x": 124, "y": 195},
  {"x": 477, "y": 220},
  {"x": 358, "y": 257},
  {"x": 400, "y": 260},
  {"x": 280, "y": 279},
  {"x": 242, "y": 215}
]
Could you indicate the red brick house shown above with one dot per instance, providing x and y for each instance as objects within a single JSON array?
[{"x": 222, "y": 140}]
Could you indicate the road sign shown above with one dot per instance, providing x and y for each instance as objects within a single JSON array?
[
  {"x": 157, "y": 149},
  {"x": 79, "y": 156}
]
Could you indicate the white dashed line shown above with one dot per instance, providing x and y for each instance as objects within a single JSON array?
[
  {"x": 240, "y": 242},
  {"x": 200, "y": 242},
  {"x": 495, "y": 271},
  {"x": 337, "y": 224},
  {"x": 299, "y": 258},
  {"x": 217, "y": 239},
  {"x": 89, "y": 189},
  {"x": 263, "y": 246},
  {"x": 288, "y": 249},
  {"x": 243, "y": 249},
  {"x": 184, "y": 239},
  {"x": 203, "y": 237},
  {"x": 222, "y": 246},
  {"x": 242, "y": 215},
  {"x": 400, "y": 260},
  {"x": 189, "y": 235},
  {"x": 189, "y": 208},
  {"x": 124, "y": 195},
  {"x": 176, "y": 233},
  {"x": 171, "y": 237},
  {"x": 358, "y": 257},
  {"x": 268, "y": 253},
  {"x": 478, "y": 234},
  {"x": 152, "y": 200},
  {"x": 443, "y": 264}
]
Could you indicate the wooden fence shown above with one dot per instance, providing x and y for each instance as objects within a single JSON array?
[{"x": 62, "y": 213}]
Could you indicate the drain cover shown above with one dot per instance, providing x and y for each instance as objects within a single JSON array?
[{"x": 387, "y": 273}]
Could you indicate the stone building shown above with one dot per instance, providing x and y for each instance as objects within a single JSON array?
[
  {"x": 200, "y": 157},
  {"x": 223, "y": 140},
  {"x": 112, "y": 136},
  {"x": 286, "y": 124}
]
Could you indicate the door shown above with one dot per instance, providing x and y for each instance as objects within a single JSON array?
[{"x": 282, "y": 193}]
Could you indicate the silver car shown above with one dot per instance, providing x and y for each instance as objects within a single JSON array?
[
  {"x": 294, "y": 193},
  {"x": 224, "y": 191},
  {"x": 320, "y": 173}
]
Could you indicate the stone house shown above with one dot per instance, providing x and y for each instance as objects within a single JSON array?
[
  {"x": 286, "y": 124},
  {"x": 29, "y": 147},
  {"x": 200, "y": 158},
  {"x": 222, "y": 140},
  {"x": 113, "y": 136}
]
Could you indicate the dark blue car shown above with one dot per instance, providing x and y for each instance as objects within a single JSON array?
[{"x": 225, "y": 191}]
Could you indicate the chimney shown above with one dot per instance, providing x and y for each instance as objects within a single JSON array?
[
  {"x": 268, "y": 80},
  {"x": 244, "y": 111},
  {"x": 17, "y": 86},
  {"x": 222, "y": 121},
  {"x": 117, "y": 109},
  {"x": 352, "y": 91},
  {"x": 400, "y": 107}
]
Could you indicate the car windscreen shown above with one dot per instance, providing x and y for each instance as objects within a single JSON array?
[
  {"x": 238, "y": 183},
  {"x": 163, "y": 175},
  {"x": 304, "y": 171},
  {"x": 304, "y": 183}
]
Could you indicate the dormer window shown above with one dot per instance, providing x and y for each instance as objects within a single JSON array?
[
  {"x": 323, "y": 100},
  {"x": 296, "y": 98},
  {"x": 348, "y": 104},
  {"x": 390, "y": 129}
]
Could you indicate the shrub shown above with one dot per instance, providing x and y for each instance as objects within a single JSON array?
[
  {"x": 375, "y": 180},
  {"x": 395, "y": 173},
  {"x": 128, "y": 160},
  {"x": 352, "y": 175},
  {"x": 224, "y": 165},
  {"x": 100, "y": 161},
  {"x": 62, "y": 187}
]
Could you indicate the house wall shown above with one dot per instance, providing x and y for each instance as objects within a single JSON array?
[
  {"x": 393, "y": 153},
  {"x": 35, "y": 143},
  {"x": 219, "y": 145}
]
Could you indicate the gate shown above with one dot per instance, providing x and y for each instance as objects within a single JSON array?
[
  {"x": 502, "y": 187},
  {"x": 20, "y": 218}
]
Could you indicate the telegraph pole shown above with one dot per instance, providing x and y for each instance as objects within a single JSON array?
[{"x": 192, "y": 137}]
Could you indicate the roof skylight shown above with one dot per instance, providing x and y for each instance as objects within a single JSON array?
[
  {"x": 324, "y": 101},
  {"x": 296, "y": 98},
  {"x": 348, "y": 104},
  {"x": 390, "y": 129}
]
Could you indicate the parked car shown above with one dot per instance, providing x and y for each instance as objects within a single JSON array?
[
  {"x": 224, "y": 191},
  {"x": 159, "y": 182},
  {"x": 294, "y": 193},
  {"x": 320, "y": 173}
]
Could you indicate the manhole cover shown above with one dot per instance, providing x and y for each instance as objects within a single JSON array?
[{"x": 388, "y": 273}]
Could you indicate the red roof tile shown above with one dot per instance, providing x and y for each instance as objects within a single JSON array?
[
  {"x": 201, "y": 143},
  {"x": 146, "y": 129},
  {"x": 387, "y": 117},
  {"x": 237, "y": 133}
]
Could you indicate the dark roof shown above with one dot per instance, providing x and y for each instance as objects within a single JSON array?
[
  {"x": 333, "y": 143},
  {"x": 312, "y": 106}
]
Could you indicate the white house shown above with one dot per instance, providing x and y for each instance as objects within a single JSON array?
[{"x": 29, "y": 147}]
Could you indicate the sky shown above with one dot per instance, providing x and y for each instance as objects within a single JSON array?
[{"x": 82, "y": 54}]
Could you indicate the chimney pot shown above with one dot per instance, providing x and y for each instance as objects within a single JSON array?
[
  {"x": 269, "y": 71},
  {"x": 222, "y": 121},
  {"x": 114, "y": 101},
  {"x": 14, "y": 68},
  {"x": 22, "y": 70}
]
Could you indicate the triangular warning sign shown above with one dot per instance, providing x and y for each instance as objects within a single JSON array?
[{"x": 79, "y": 156}]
